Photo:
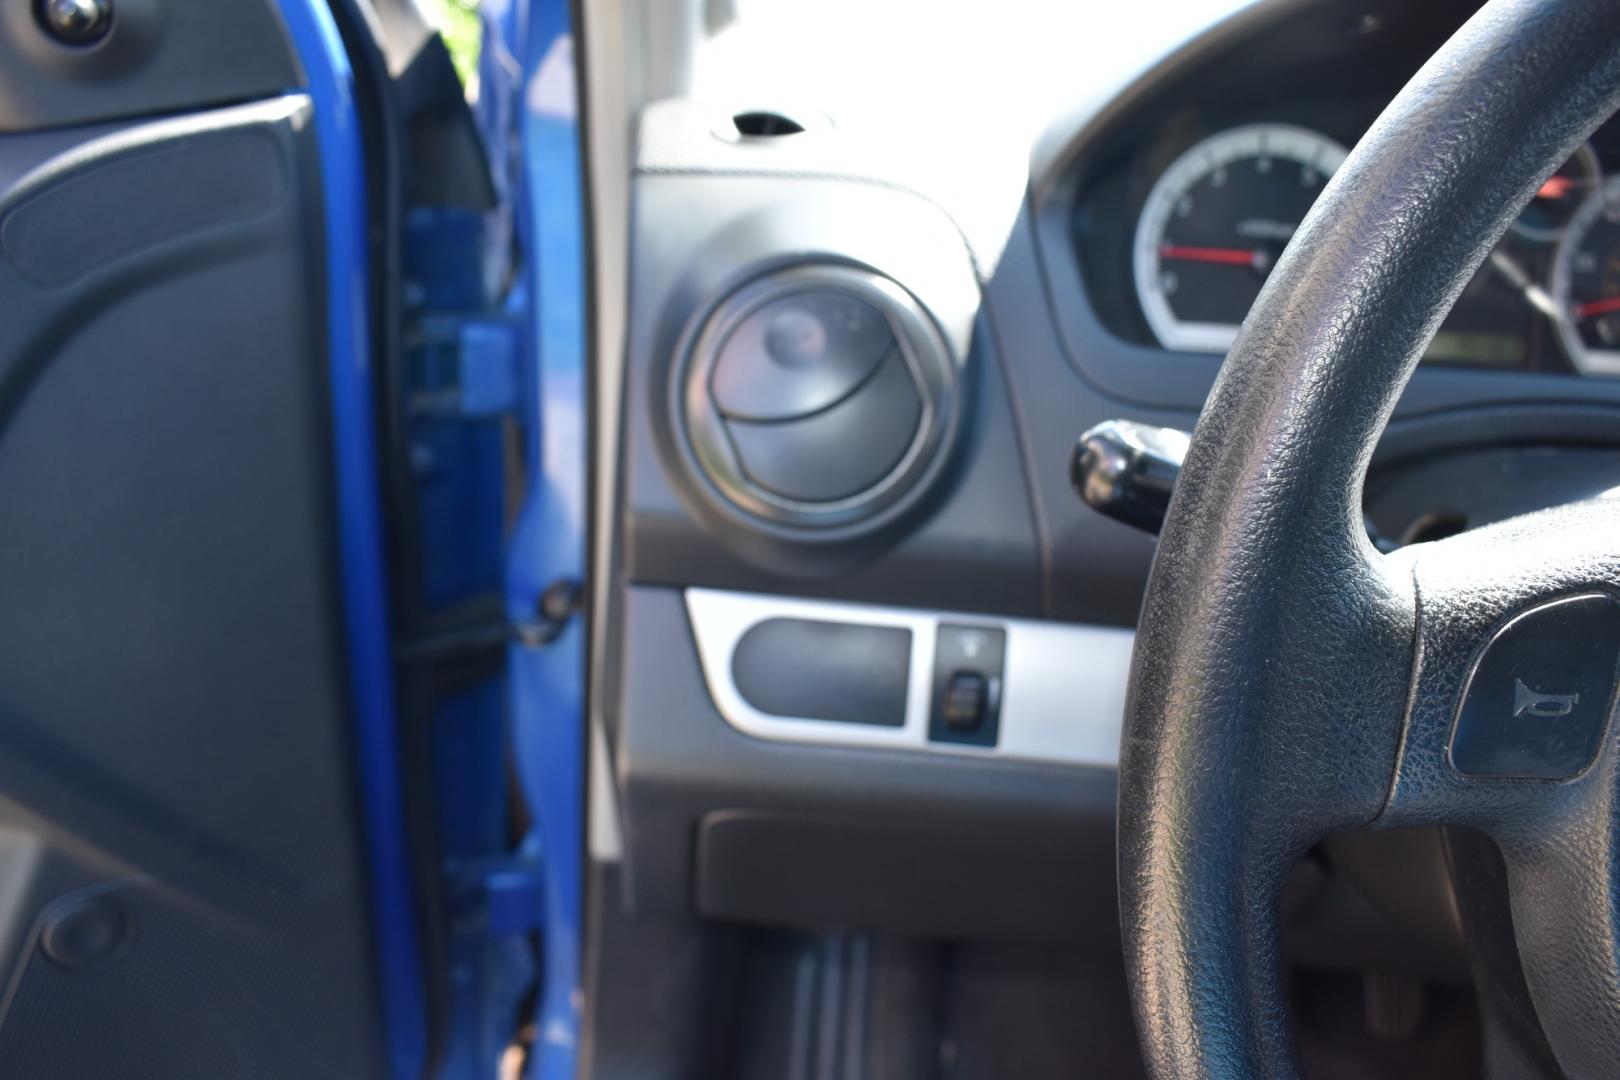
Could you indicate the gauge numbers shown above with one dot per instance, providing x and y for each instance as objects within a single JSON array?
[
  {"x": 1586, "y": 283},
  {"x": 1215, "y": 223}
]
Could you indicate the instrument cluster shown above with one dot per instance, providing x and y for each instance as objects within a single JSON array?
[{"x": 1195, "y": 220}]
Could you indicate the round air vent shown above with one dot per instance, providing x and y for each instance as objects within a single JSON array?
[{"x": 817, "y": 396}]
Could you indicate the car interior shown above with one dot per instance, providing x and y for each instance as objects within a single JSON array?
[
  {"x": 867, "y": 648},
  {"x": 904, "y": 540}
]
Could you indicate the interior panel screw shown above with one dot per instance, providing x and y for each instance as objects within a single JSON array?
[
  {"x": 83, "y": 933},
  {"x": 75, "y": 22}
]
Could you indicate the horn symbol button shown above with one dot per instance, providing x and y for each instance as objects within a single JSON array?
[{"x": 1539, "y": 699}]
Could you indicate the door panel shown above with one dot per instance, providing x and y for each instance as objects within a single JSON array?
[
  {"x": 159, "y": 56},
  {"x": 182, "y": 889}
]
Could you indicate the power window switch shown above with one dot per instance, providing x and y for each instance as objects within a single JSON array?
[{"x": 965, "y": 707}]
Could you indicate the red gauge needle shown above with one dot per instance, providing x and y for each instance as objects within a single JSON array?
[
  {"x": 1556, "y": 187},
  {"x": 1222, "y": 256},
  {"x": 1597, "y": 307}
]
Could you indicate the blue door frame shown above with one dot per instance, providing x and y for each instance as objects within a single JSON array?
[
  {"x": 549, "y": 543},
  {"x": 532, "y": 96}
]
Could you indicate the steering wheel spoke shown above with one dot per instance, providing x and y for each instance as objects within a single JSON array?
[
  {"x": 1511, "y": 731},
  {"x": 1514, "y": 684}
]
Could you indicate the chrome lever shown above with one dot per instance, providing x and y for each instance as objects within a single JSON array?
[{"x": 1128, "y": 471}]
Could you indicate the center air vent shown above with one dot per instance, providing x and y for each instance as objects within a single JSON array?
[
  {"x": 764, "y": 124},
  {"x": 817, "y": 396}
]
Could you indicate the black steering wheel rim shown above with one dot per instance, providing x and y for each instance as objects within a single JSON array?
[{"x": 1290, "y": 681}]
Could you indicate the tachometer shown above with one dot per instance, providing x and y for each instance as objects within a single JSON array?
[
  {"x": 1560, "y": 196},
  {"x": 1214, "y": 224},
  {"x": 1586, "y": 283}
]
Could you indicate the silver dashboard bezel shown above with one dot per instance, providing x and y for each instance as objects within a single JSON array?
[{"x": 1064, "y": 684}]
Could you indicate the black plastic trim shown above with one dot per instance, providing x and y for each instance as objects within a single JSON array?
[
  {"x": 918, "y": 819},
  {"x": 160, "y": 56}
]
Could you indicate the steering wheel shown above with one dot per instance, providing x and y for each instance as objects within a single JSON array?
[{"x": 1289, "y": 680}]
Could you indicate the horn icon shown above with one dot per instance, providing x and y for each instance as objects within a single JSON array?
[{"x": 1546, "y": 706}]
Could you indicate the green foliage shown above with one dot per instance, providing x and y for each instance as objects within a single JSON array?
[{"x": 463, "y": 34}]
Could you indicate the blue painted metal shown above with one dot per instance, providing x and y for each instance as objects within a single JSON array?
[
  {"x": 462, "y": 361},
  {"x": 549, "y": 542},
  {"x": 458, "y": 467},
  {"x": 491, "y": 951},
  {"x": 360, "y": 530},
  {"x": 488, "y": 349},
  {"x": 470, "y": 369},
  {"x": 444, "y": 259},
  {"x": 514, "y": 895}
]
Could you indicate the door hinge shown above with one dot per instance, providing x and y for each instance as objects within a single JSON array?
[
  {"x": 470, "y": 365},
  {"x": 503, "y": 896}
]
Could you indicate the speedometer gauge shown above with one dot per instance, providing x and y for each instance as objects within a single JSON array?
[
  {"x": 1586, "y": 283},
  {"x": 1215, "y": 223}
]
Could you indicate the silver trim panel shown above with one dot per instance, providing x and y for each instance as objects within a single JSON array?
[{"x": 1064, "y": 683}]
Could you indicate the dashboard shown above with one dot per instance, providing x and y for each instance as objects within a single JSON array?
[
  {"x": 1177, "y": 229},
  {"x": 859, "y": 653},
  {"x": 858, "y": 353}
]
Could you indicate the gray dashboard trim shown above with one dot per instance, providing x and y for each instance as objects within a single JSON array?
[
  {"x": 1064, "y": 683},
  {"x": 1052, "y": 157}
]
